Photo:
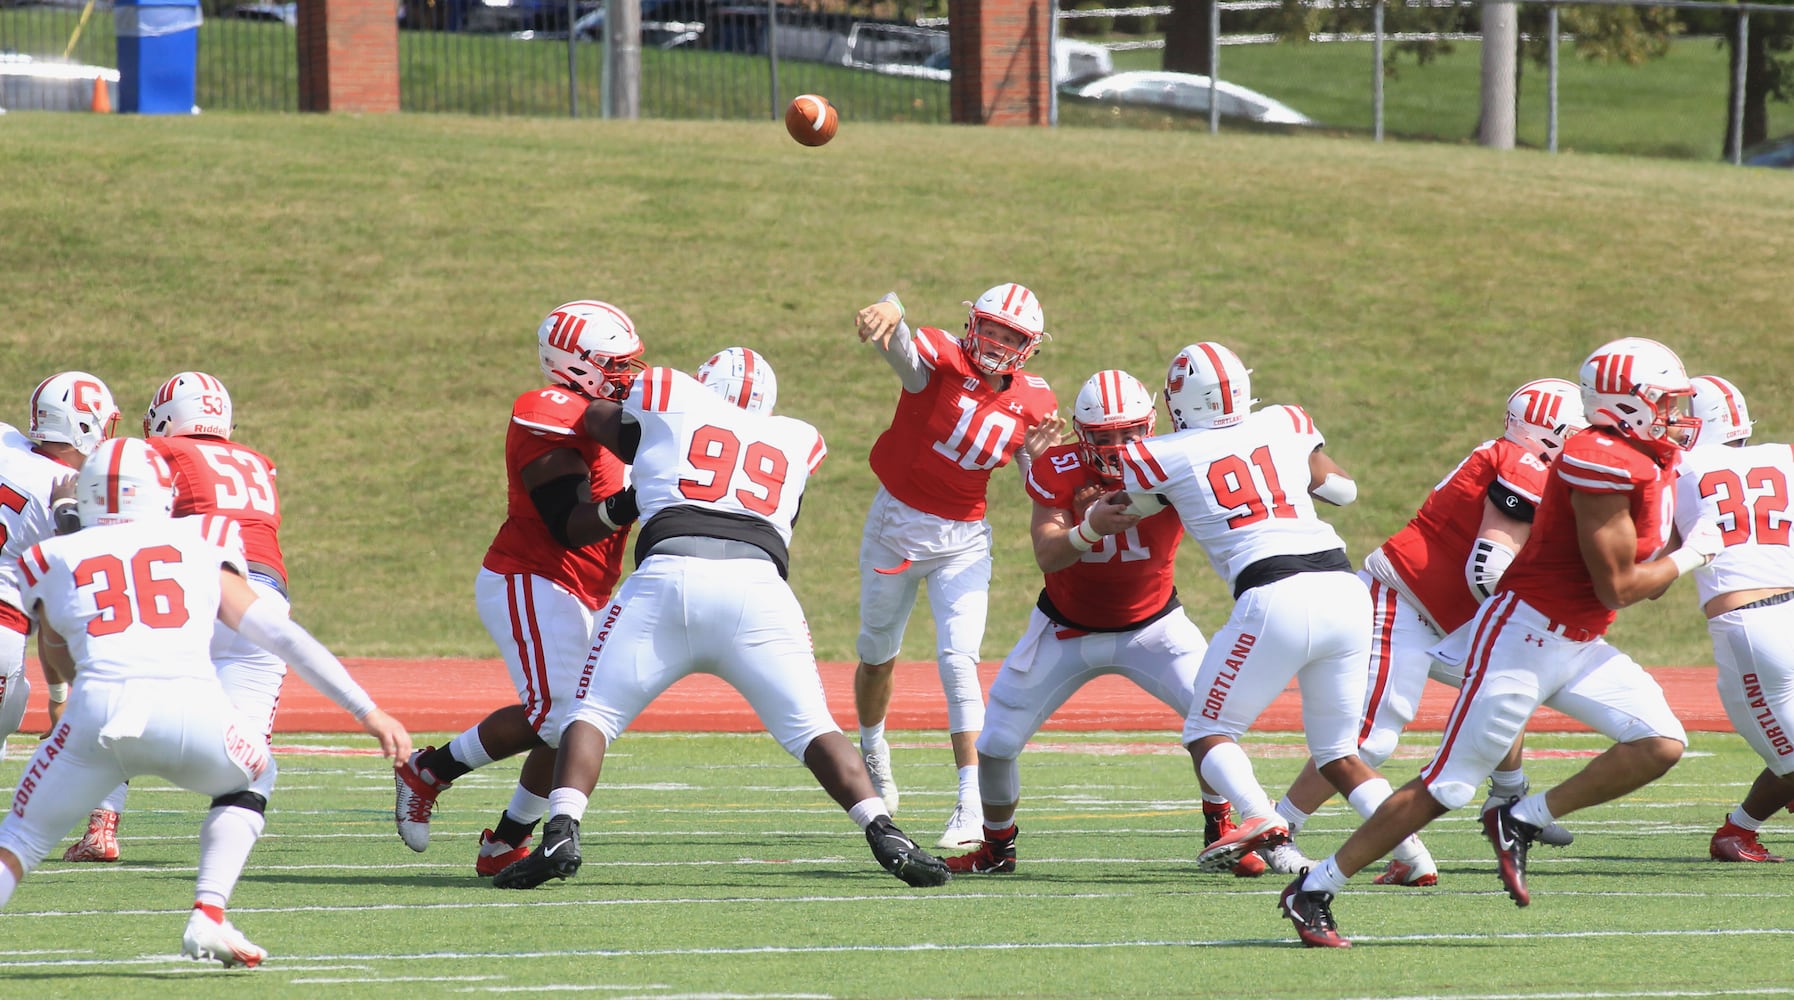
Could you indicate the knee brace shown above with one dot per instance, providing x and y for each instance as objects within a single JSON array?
[
  {"x": 965, "y": 696},
  {"x": 14, "y": 692}
]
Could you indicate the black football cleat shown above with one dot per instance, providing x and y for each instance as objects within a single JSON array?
[
  {"x": 903, "y": 858},
  {"x": 1312, "y": 913},
  {"x": 557, "y": 857},
  {"x": 1511, "y": 838}
]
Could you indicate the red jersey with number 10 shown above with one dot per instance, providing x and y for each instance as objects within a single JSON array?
[
  {"x": 943, "y": 442},
  {"x": 1549, "y": 573},
  {"x": 216, "y": 476},
  {"x": 1127, "y": 577},
  {"x": 543, "y": 421}
]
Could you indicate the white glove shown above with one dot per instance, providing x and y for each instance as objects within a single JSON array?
[{"x": 1698, "y": 549}]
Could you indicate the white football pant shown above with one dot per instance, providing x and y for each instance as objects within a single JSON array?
[
  {"x": 544, "y": 634},
  {"x": 1755, "y": 653}
]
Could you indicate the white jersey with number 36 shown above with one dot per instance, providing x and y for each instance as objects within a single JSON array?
[
  {"x": 1241, "y": 491},
  {"x": 135, "y": 600},
  {"x": 698, "y": 449}
]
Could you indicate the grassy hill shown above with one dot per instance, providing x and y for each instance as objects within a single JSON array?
[{"x": 369, "y": 287}]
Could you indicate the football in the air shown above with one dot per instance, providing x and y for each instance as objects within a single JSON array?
[{"x": 811, "y": 119}]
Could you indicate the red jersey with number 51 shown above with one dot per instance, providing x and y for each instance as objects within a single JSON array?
[
  {"x": 1549, "y": 573},
  {"x": 216, "y": 476},
  {"x": 943, "y": 442},
  {"x": 543, "y": 421},
  {"x": 1127, "y": 577}
]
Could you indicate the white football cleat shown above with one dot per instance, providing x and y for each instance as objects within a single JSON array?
[
  {"x": 414, "y": 800},
  {"x": 964, "y": 827},
  {"x": 1286, "y": 859},
  {"x": 878, "y": 766},
  {"x": 207, "y": 939}
]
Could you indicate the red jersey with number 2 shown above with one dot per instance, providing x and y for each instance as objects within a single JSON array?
[
  {"x": 216, "y": 476},
  {"x": 543, "y": 421},
  {"x": 1127, "y": 577},
  {"x": 1549, "y": 573},
  {"x": 943, "y": 442}
]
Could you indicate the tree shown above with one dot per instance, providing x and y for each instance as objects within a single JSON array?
[
  {"x": 1187, "y": 37},
  {"x": 1768, "y": 73}
]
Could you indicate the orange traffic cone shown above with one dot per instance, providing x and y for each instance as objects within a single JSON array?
[{"x": 102, "y": 101}]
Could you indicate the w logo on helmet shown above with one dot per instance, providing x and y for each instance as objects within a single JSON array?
[
  {"x": 1613, "y": 373},
  {"x": 565, "y": 335},
  {"x": 1542, "y": 408}
]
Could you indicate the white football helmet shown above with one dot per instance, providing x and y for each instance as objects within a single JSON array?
[
  {"x": 1111, "y": 406},
  {"x": 590, "y": 347},
  {"x": 742, "y": 377},
  {"x": 1207, "y": 386},
  {"x": 1720, "y": 407},
  {"x": 188, "y": 405},
  {"x": 72, "y": 408},
  {"x": 124, "y": 480},
  {"x": 1001, "y": 317},
  {"x": 1543, "y": 413},
  {"x": 1639, "y": 388}
]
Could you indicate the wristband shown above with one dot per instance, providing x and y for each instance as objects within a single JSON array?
[
  {"x": 1083, "y": 537},
  {"x": 1687, "y": 561},
  {"x": 59, "y": 693},
  {"x": 892, "y": 298}
]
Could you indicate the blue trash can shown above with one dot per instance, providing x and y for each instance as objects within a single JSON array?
[{"x": 158, "y": 55}]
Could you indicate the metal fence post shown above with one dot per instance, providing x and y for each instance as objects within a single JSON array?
[
  {"x": 1214, "y": 67},
  {"x": 1551, "y": 78},
  {"x": 1376, "y": 72},
  {"x": 1735, "y": 135},
  {"x": 772, "y": 52},
  {"x": 572, "y": 62}
]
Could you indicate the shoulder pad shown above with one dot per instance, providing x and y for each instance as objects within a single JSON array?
[{"x": 550, "y": 411}]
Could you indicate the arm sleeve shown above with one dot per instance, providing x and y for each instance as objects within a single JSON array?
[
  {"x": 265, "y": 626},
  {"x": 902, "y": 357},
  {"x": 1483, "y": 570}
]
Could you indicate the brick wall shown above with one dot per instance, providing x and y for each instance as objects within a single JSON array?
[
  {"x": 1001, "y": 71},
  {"x": 348, "y": 55}
]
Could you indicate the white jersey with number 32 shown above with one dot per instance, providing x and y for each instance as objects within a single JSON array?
[
  {"x": 135, "y": 600},
  {"x": 1750, "y": 493},
  {"x": 1241, "y": 491},
  {"x": 698, "y": 449}
]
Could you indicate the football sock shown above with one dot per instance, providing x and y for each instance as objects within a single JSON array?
[
  {"x": 1531, "y": 809},
  {"x": 1743, "y": 820},
  {"x": 1229, "y": 771},
  {"x": 968, "y": 784},
  {"x": 866, "y": 810},
  {"x": 871, "y": 736},
  {"x": 468, "y": 749},
  {"x": 526, "y": 806},
  {"x": 1409, "y": 851},
  {"x": 1369, "y": 795},
  {"x": 225, "y": 840},
  {"x": 1508, "y": 784},
  {"x": 115, "y": 802},
  {"x": 568, "y": 802},
  {"x": 440, "y": 763},
  {"x": 1214, "y": 799},
  {"x": 1325, "y": 877},
  {"x": 513, "y": 832},
  {"x": 7, "y": 884},
  {"x": 1294, "y": 818}
]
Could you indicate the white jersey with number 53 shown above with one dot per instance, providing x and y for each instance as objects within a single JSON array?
[
  {"x": 698, "y": 449},
  {"x": 1241, "y": 491}
]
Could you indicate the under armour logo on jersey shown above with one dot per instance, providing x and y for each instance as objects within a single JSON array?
[
  {"x": 1015, "y": 408},
  {"x": 1536, "y": 640},
  {"x": 972, "y": 383}
]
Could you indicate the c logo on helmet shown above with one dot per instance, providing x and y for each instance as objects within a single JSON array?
[
  {"x": 1179, "y": 368},
  {"x": 87, "y": 396}
]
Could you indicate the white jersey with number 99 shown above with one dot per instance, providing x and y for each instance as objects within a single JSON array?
[{"x": 698, "y": 449}]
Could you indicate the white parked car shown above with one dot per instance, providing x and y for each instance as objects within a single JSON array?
[
  {"x": 1190, "y": 92},
  {"x": 1073, "y": 61}
]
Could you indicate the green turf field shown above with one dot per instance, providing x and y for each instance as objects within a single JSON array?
[
  {"x": 715, "y": 868},
  {"x": 369, "y": 289}
]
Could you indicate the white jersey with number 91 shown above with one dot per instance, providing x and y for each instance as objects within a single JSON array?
[
  {"x": 698, "y": 449},
  {"x": 1242, "y": 491}
]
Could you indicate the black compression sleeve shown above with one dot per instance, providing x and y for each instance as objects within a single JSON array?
[{"x": 555, "y": 501}]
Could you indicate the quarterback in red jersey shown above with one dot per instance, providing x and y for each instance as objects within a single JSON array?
[
  {"x": 1429, "y": 578},
  {"x": 552, "y": 565},
  {"x": 1598, "y": 544},
  {"x": 1108, "y": 606},
  {"x": 966, "y": 409}
]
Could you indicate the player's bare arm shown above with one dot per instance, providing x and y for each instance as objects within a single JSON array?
[
  {"x": 1058, "y": 532},
  {"x": 52, "y": 648},
  {"x": 1328, "y": 482},
  {"x": 559, "y": 484},
  {"x": 1608, "y": 539},
  {"x": 604, "y": 424},
  {"x": 272, "y": 630}
]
